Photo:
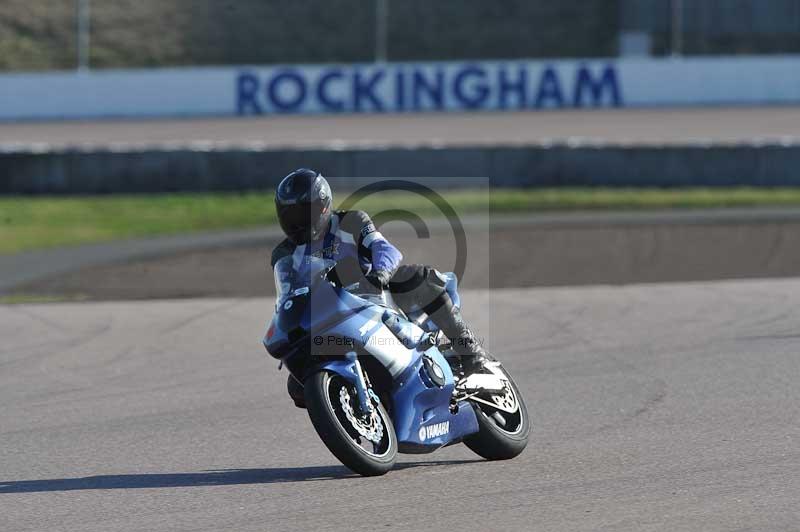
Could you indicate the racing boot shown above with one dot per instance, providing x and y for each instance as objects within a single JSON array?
[{"x": 448, "y": 318}]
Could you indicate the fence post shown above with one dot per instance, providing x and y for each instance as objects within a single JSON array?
[
  {"x": 381, "y": 30},
  {"x": 677, "y": 27},
  {"x": 83, "y": 37}
]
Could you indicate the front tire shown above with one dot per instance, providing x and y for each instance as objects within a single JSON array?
[
  {"x": 366, "y": 446},
  {"x": 502, "y": 436}
]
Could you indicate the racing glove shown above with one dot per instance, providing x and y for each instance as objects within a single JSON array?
[{"x": 379, "y": 278}]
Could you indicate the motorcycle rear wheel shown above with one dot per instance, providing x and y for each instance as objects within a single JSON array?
[
  {"x": 501, "y": 436},
  {"x": 331, "y": 403}
]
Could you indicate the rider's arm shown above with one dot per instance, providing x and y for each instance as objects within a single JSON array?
[
  {"x": 371, "y": 243},
  {"x": 385, "y": 257}
]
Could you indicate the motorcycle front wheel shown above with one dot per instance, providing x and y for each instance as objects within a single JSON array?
[{"x": 366, "y": 444}]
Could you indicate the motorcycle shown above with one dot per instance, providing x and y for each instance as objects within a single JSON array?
[{"x": 378, "y": 382}]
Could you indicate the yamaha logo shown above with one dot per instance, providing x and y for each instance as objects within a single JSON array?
[{"x": 434, "y": 431}]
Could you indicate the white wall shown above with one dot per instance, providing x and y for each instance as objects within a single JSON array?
[{"x": 402, "y": 87}]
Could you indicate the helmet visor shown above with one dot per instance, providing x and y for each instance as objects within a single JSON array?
[{"x": 304, "y": 222}]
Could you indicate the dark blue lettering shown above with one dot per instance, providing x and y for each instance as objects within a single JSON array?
[
  {"x": 584, "y": 82},
  {"x": 322, "y": 94},
  {"x": 400, "y": 90},
  {"x": 281, "y": 102},
  {"x": 363, "y": 89},
  {"x": 247, "y": 94},
  {"x": 549, "y": 89},
  {"x": 475, "y": 98},
  {"x": 433, "y": 89},
  {"x": 518, "y": 87}
]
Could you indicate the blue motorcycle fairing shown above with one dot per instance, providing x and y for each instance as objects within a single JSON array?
[
  {"x": 422, "y": 417},
  {"x": 329, "y": 320},
  {"x": 297, "y": 317},
  {"x": 421, "y": 412}
]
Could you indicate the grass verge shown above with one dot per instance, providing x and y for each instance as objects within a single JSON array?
[
  {"x": 30, "y": 299},
  {"x": 28, "y": 223}
]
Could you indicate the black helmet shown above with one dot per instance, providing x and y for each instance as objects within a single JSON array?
[{"x": 303, "y": 202}]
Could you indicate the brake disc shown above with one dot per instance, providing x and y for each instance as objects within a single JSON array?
[{"x": 372, "y": 430}]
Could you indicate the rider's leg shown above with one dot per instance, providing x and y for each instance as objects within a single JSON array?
[{"x": 423, "y": 286}]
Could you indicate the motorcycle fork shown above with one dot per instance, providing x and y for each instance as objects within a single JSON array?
[{"x": 362, "y": 387}]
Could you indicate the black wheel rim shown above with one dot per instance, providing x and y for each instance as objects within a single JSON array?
[
  {"x": 508, "y": 422},
  {"x": 370, "y": 434}
]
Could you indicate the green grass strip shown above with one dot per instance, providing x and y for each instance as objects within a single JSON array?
[{"x": 28, "y": 223}]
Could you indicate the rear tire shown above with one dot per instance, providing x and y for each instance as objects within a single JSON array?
[
  {"x": 494, "y": 442},
  {"x": 326, "y": 405}
]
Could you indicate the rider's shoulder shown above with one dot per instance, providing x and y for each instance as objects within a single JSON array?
[{"x": 285, "y": 248}]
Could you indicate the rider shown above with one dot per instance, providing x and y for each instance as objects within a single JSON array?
[{"x": 303, "y": 204}]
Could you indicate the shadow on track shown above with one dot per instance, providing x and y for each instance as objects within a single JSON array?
[{"x": 225, "y": 477}]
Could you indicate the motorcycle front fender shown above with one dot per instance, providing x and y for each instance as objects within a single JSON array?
[{"x": 341, "y": 366}]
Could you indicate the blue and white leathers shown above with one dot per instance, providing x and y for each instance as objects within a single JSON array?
[{"x": 321, "y": 326}]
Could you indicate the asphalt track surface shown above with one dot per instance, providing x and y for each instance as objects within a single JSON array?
[
  {"x": 616, "y": 126},
  {"x": 656, "y": 407}
]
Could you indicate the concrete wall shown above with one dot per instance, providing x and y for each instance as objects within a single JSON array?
[{"x": 73, "y": 172}]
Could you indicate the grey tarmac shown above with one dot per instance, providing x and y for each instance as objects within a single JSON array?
[
  {"x": 656, "y": 407},
  {"x": 655, "y": 126}
]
